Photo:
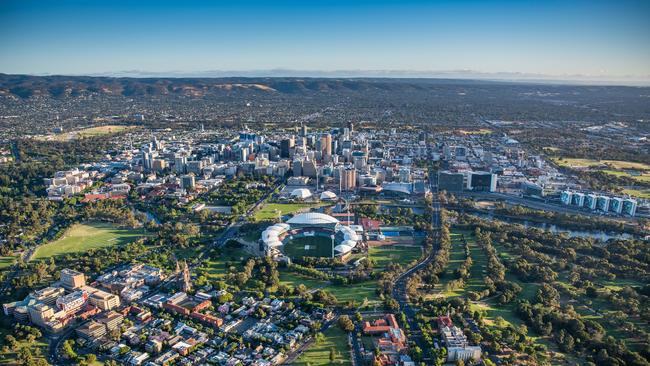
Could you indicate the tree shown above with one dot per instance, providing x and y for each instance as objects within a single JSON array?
[
  {"x": 346, "y": 323},
  {"x": 332, "y": 354},
  {"x": 68, "y": 351},
  {"x": 25, "y": 356}
]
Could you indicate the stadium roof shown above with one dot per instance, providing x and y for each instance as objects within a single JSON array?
[
  {"x": 328, "y": 195},
  {"x": 301, "y": 193},
  {"x": 312, "y": 218}
]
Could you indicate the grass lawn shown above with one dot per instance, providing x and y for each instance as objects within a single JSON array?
[
  {"x": 309, "y": 246},
  {"x": 477, "y": 271},
  {"x": 293, "y": 280},
  {"x": 90, "y": 235},
  {"x": 216, "y": 268},
  {"x": 639, "y": 193},
  {"x": 38, "y": 348},
  {"x": 585, "y": 163},
  {"x": 401, "y": 254},
  {"x": 456, "y": 258},
  {"x": 270, "y": 210},
  {"x": 319, "y": 353},
  {"x": 358, "y": 292},
  {"x": 6, "y": 262},
  {"x": 639, "y": 178}
]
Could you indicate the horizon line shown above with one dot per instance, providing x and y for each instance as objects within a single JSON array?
[{"x": 501, "y": 76}]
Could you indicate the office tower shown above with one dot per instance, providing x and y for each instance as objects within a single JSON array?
[
  {"x": 147, "y": 160},
  {"x": 348, "y": 179},
  {"x": 285, "y": 147},
  {"x": 451, "y": 182},
  {"x": 195, "y": 166},
  {"x": 159, "y": 165},
  {"x": 483, "y": 181},
  {"x": 187, "y": 181},
  {"x": 179, "y": 164}
]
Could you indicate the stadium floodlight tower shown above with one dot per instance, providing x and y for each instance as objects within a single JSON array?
[{"x": 332, "y": 237}]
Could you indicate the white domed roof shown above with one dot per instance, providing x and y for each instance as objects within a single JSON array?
[
  {"x": 312, "y": 218},
  {"x": 351, "y": 236},
  {"x": 350, "y": 243},
  {"x": 328, "y": 195},
  {"x": 274, "y": 243},
  {"x": 301, "y": 193}
]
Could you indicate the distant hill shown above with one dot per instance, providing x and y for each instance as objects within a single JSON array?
[{"x": 26, "y": 86}]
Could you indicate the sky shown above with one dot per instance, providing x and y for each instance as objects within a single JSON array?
[{"x": 570, "y": 37}]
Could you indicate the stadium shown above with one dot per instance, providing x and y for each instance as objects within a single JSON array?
[{"x": 309, "y": 235}]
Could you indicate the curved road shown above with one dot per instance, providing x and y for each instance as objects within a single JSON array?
[{"x": 399, "y": 287}]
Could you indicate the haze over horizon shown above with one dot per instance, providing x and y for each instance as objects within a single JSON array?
[{"x": 581, "y": 40}]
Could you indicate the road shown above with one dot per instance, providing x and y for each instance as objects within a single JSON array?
[
  {"x": 233, "y": 228},
  {"x": 399, "y": 287}
]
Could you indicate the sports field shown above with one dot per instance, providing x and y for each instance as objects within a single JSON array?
[
  {"x": 270, "y": 211},
  {"x": 382, "y": 256},
  {"x": 309, "y": 246},
  {"x": 90, "y": 235},
  {"x": 318, "y": 354}
]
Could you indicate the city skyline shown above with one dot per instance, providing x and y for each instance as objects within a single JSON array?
[{"x": 585, "y": 41}]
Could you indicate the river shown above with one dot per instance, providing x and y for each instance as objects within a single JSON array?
[{"x": 595, "y": 234}]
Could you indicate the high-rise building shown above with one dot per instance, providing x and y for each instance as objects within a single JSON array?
[
  {"x": 602, "y": 203},
  {"x": 195, "y": 167},
  {"x": 285, "y": 147},
  {"x": 616, "y": 205},
  {"x": 590, "y": 201},
  {"x": 243, "y": 154},
  {"x": 187, "y": 181},
  {"x": 71, "y": 279},
  {"x": 629, "y": 207},
  {"x": 40, "y": 314},
  {"x": 325, "y": 147},
  {"x": 578, "y": 199},
  {"x": 348, "y": 179},
  {"x": 159, "y": 165},
  {"x": 309, "y": 168},
  {"x": 47, "y": 295},
  {"x": 404, "y": 174},
  {"x": 147, "y": 160},
  {"x": 483, "y": 181},
  {"x": 179, "y": 164},
  {"x": 451, "y": 182}
]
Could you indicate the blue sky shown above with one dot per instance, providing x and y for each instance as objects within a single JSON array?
[{"x": 594, "y": 37}]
